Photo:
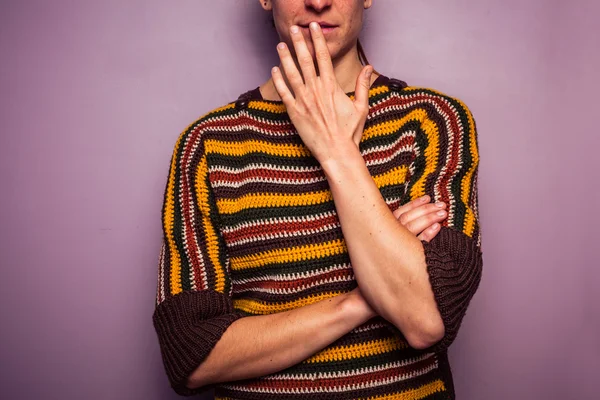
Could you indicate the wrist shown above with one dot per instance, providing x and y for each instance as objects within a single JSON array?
[
  {"x": 356, "y": 307},
  {"x": 341, "y": 157}
]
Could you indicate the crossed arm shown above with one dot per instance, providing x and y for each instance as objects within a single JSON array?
[{"x": 261, "y": 345}]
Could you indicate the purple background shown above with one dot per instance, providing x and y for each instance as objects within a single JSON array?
[{"x": 95, "y": 93}]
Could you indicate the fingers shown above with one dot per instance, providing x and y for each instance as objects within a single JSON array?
[
  {"x": 410, "y": 205},
  {"x": 430, "y": 232},
  {"x": 289, "y": 67},
  {"x": 321, "y": 52},
  {"x": 284, "y": 92},
  {"x": 422, "y": 217},
  {"x": 363, "y": 84},
  {"x": 305, "y": 59}
]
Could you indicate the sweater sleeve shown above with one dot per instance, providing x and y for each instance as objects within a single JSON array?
[
  {"x": 193, "y": 302},
  {"x": 445, "y": 167}
]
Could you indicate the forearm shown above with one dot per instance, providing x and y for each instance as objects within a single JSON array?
[
  {"x": 388, "y": 260},
  {"x": 260, "y": 345}
]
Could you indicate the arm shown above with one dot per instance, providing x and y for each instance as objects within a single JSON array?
[
  {"x": 203, "y": 339},
  {"x": 387, "y": 259},
  {"x": 260, "y": 345},
  {"x": 434, "y": 281}
]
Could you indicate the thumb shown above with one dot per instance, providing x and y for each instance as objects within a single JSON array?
[{"x": 363, "y": 84}]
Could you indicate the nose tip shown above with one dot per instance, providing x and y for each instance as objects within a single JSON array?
[{"x": 318, "y": 5}]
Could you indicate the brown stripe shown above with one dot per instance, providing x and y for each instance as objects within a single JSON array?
[
  {"x": 332, "y": 383},
  {"x": 281, "y": 227}
]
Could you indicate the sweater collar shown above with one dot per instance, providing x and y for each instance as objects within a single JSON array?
[{"x": 255, "y": 94}]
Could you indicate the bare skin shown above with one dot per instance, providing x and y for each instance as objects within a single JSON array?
[{"x": 260, "y": 345}]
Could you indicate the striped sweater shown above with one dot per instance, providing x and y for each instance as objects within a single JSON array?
[{"x": 250, "y": 228}]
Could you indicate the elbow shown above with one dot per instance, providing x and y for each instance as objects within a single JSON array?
[
  {"x": 426, "y": 336},
  {"x": 199, "y": 379},
  {"x": 192, "y": 383}
]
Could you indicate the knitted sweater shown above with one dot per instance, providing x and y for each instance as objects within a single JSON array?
[{"x": 250, "y": 228}]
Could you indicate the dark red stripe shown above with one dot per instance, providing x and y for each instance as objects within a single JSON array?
[
  {"x": 186, "y": 190},
  {"x": 381, "y": 154},
  {"x": 280, "y": 227},
  {"x": 293, "y": 176}
]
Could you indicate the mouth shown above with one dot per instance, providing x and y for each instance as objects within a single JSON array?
[{"x": 325, "y": 27}]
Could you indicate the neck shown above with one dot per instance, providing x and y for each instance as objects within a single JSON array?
[{"x": 346, "y": 69}]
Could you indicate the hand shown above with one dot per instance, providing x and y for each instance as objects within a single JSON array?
[
  {"x": 324, "y": 116},
  {"x": 421, "y": 218}
]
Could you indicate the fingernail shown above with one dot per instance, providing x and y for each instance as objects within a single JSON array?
[
  {"x": 435, "y": 226},
  {"x": 314, "y": 26},
  {"x": 425, "y": 198},
  {"x": 441, "y": 213},
  {"x": 439, "y": 204},
  {"x": 281, "y": 46},
  {"x": 295, "y": 29},
  {"x": 368, "y": 72}
]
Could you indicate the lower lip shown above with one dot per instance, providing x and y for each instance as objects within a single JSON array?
[{"x": 325, "y": 30}]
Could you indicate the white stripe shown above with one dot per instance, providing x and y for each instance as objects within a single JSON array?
[
  {"x": 291, "y": 277},
  {"x": 266, "y": 179}
]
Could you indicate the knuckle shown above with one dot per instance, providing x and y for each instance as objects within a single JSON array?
[
  {"x": 329, "y": 81},
  {"x": 403, "y": 219},
  {"x": 430, "y": 207},
  {"x": 433, "y": 218},
  {"x": 322, "y": 54},
  {"x": 306, "y": 60}
]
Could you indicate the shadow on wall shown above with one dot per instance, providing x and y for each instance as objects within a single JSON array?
[{"x": 259, "y": 35}]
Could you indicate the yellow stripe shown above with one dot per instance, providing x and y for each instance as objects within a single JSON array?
[
  {"x": 466, "y": 184},
  {"x": 414, "y": 394},
  {"x": 278, "y": 108},
  {"x": 393, "y": 125},
  {"x": 258, "y": 307},
  {"x": 392, "y": 177},
  {"x": 252, "y": 200},
  {"x": 373, "y": 92},
  {"x": 212, "y": 241},
  {"x": 290, "y": 254},
  {"x": 216, "y": 110},
  {"x": 358, "y": 350},
  {"x": 251, "y": 146},
  {"x": 169, "y": 218},
  {"x": 431, "y": 153}
]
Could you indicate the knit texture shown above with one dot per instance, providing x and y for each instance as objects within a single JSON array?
[{"x": 250, "y": 228}]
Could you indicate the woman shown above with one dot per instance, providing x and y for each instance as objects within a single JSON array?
[{"x": 321, "y": 234}]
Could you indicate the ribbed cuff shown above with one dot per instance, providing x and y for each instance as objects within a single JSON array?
[
  {"x": 189, "y": 325},
  {"x": 454, "y": 263}
]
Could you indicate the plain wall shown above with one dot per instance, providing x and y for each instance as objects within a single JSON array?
[{"x": 95, "y": 93}]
